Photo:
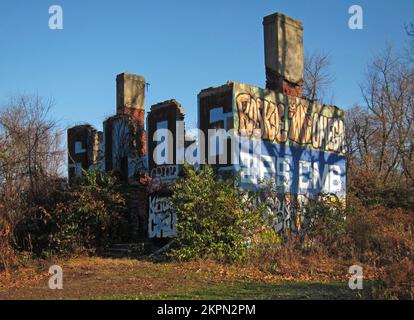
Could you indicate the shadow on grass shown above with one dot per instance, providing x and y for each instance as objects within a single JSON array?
[{"x": 261, "y": 291}]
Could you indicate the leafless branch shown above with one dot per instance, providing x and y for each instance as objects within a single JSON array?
[{"x": 317, "y": 77}]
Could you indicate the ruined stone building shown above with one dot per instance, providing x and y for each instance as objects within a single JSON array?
[{"x": 295, "y": 142}]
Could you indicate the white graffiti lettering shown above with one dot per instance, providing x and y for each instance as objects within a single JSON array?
[{"x": 162, "y": 221}]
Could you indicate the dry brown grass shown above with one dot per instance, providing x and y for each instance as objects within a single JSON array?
[
  {"x": 290, "y": 263},
  {"x": 398, "y": 279},
  {"x": 378, "y": 239},
  {"x": 8, "y": 259}
]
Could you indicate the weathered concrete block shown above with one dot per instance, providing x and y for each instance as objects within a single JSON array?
[
  {"x": 283, "y": 40},
  {"x": 130, "y": 95}
]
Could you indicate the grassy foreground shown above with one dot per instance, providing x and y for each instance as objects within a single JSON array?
[
  {"x": 97, "y": 278},
  {"x": 256, "y": 291}
]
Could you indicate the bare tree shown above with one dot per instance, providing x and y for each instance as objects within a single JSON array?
[
  {"x": 317, "y": 76},
  {"x": 31, "y": 153},
  {"x": 380, "y": 137},
  {"x": 358, "y": 134}
]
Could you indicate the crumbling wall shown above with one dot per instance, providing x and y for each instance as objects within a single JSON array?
[
  {"x": 123, "y": 147},
  {"x": 161, "y": 220},
  {"x": 215, "y": 111},
  {"x": 84, "y": 143},
  {"x": 293, "y": 143},
  {"x": 163, "y": 115}
]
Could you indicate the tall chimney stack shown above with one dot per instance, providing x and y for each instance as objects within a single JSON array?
[
  {"x": 130, "y": 95},
  {"x": 283, "y": 41},
  {"x": 130, "y": 101}
]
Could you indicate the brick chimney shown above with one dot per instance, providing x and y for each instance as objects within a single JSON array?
[
  {"x": 283, "y": 42},
  {"x": 130, "y": 100}
]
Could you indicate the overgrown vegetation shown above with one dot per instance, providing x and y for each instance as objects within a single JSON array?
[
  {"x": 379, "y": 239},
  {"x": 90, "y": 215},
  {"x": 380, "y": 143},
  {"x": 39, "y": 213},
  {"x": 31, "y": 157}
]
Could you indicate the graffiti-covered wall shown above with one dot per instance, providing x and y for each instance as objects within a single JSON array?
[
  {"x": 300, "y": 144},
  {"x": 163, "y": 123},
  {"x": 290, "y": 143}
]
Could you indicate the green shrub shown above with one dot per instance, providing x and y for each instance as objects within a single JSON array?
[{"x": 214, "y": 217}]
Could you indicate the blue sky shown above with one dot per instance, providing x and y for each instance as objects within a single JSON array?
[{"x": 180, "y": 47}]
